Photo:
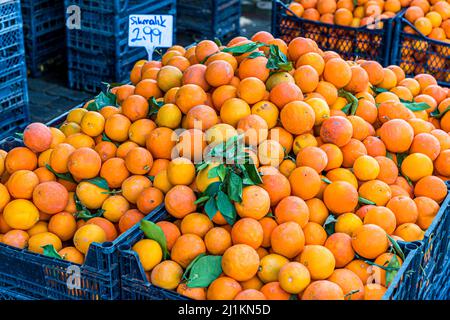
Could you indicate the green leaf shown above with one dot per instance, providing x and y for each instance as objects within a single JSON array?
[
  {"x": 154, "y": 232},
  {"x": 201, "y": 166},
  {"x": 50, "y": 251},
  {"x": 217, "y": 42},
  {"x": 278, "y": 60},
  {"x": 226, "y": 208},
  {"x": 212, "y": 189},
  {"x": 64, "y": 176},
  {"x": 202, "y": 199},
  {"x": 154, "y": 106},
  {"x": 204, "y": 271},
  {"x": 390, "y": 274},
  {"x": 350, "y": 97},
  {"x": 416, "y": 106},
  {"x": 400, "y": 158},
  {"x": 346, "y": 108},
  {"x": 389, "y": 155},
  {"x": 211, "y": 208},
  {"x": 19, "y": 135},
  {"x": 99, "y": 182},
  {"x": 438, "y": 115},
  {"x": 293, "y": 297},
  {"x": 365, "y": 201},
  {"x": 326, "y": 180},
  {"x": 396, "y": 247},
  {"x": 244, "y": 48},
  {"x": 85, "y": 214},
  {"x": 102, "y": 100},
  {"x": 105, "y": 137},
  {"x": 253, "y": 173},
  {"x": 329, "y": 224},
  {"x": 378, "y": 90},
  {"x": 256, "y": 54},
  {"x": 234, "y": 187},
  {"x": 189, "y": 267}
]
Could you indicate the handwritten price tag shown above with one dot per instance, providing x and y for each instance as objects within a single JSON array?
[{"x": 150, "y": 31}]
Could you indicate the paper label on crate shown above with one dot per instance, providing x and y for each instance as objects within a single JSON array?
[{"x": 150, "y": 31}]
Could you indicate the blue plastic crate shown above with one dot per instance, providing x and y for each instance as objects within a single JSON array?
[
  {"x": 13, "y": 84},
  {"x": 124, "y": 7},
  {"x": 427, "y": 274},
  {"x": 209, "y": 19},
  {"x": 416, "y": 54},
  {"x": 9, "y": 14},
  {"x": 44, "y": 29},
  {"x": 349, "y": 42},
  {"x": 99, "y": 52},
  {"x": 134, "y": 283}
]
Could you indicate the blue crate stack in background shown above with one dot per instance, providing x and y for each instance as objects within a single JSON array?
[
  {"x": 209, "y": 19},
  {"x": 43, "y": 27},
  {"x": 98, "y": 51},
  {"x": 13, "y": 82}
]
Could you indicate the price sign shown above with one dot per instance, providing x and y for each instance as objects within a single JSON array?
[{"x": 150, "y": 31}]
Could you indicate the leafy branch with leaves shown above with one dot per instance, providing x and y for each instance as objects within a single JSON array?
[{"x": 235, "y": 171}]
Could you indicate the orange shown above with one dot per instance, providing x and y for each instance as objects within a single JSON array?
[
  {"x": 270, "y": 266},
  {"x": 441, "y": 163},
  {"x": 314, "y": 233},
  {"x": 50, "y": 197},
  {"x": 404, "y": 209},
  {"x": 337, "y": 71},
  {"x": 350, "y": 283},
  {"x": 71, "y": 254},
  {"x": 416, "y": 166},
  {"x": 223, "y": 288},
  {"x": 22, "y": 183},
  {"x": 234, "y": 110},
  {"x": 337, "y": 130},
  {"x": 20, "y": 158},
  {"x": 292, "y": 208},
  {"x": 382, "y": 217},
  {"x": 129, "y": 219},
  {"x": 255, "y": 203},
  {"x": 339, "y": 244},
  {"x": 181, "y": 171},
  {"x": 366, "y": 168},
  {"x": 16, "y": 238},
  {"x": 139, "y": 160},
  {"x": 221, "y": 94},
  {"x": 312, "y": 157},
  {"x": 306, "y": 78},
  {"x": 334, "y": 156},
  {"x": 305, "y": 182},
  {"x": 166, "y": 275},
  {"x": 376, "y": 191},
  {"x": 115, "y": 207},
  {"x": 361, "y": 268},
  {"x": 318, "y": 212},
  {"x": 319, "y": 261},
  {"x": 186, "y": 248},
  {"x": 288, "y": 239},
  {"x": 193, "y": 293},
  {"x": 106, "y": 225},
  {"x": 297, "y": 117},
  {"x": 37, "y": 137},
  {"x": 149, "y": 253},
  {"x": 431, "y": 187},
  {"x": 247, "y": 231},
  {"x": 63, "y": 225},
  {"x": 294, "y": 277},
  {"x": 160, "y": 142},
  {"x": 217, "y": 240},
  {"x": 409, "y": 232},
  {"x": 36, "y": 242},
  {"x": 250, "y": 294},
  {"x": 374, "y": 291},
  {"x": 140, "y": 130},
  {"x": 427, "y": 210},
  {"x": 196, "y": 223},
  {"x": 179, "y": 201},
  {"x": 340, "y": 197},
  {"x": 240, "y": 262},
  {"x": 369, "y": 241},
  {"x": 84, "y": 163},
  {"x": 201, "y": 117}
]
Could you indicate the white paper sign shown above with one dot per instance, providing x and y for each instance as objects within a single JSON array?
[{"x": 150, "y": 31}]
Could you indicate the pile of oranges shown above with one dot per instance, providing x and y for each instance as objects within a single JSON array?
[
  {"x": 350, "y": 158},
  {"x": 431, "y": 18},
  {"x": 358, "y": 13}
]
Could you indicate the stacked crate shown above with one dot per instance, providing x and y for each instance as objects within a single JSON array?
[
  {"x": 43, "y": 27},
  {"x": 13, "y": 82},
  {"x": 98, "y": 51},
  {"x": 209, "y": 19}
]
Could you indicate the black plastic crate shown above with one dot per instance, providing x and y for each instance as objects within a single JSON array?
[
  {"x": 44, "y": 28},
  {"x": 209, "y": 19},
  {"x": 349, "y": 42},
  {"x": 99, "y": 51},
  {"x": 416, "y": 54}
]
